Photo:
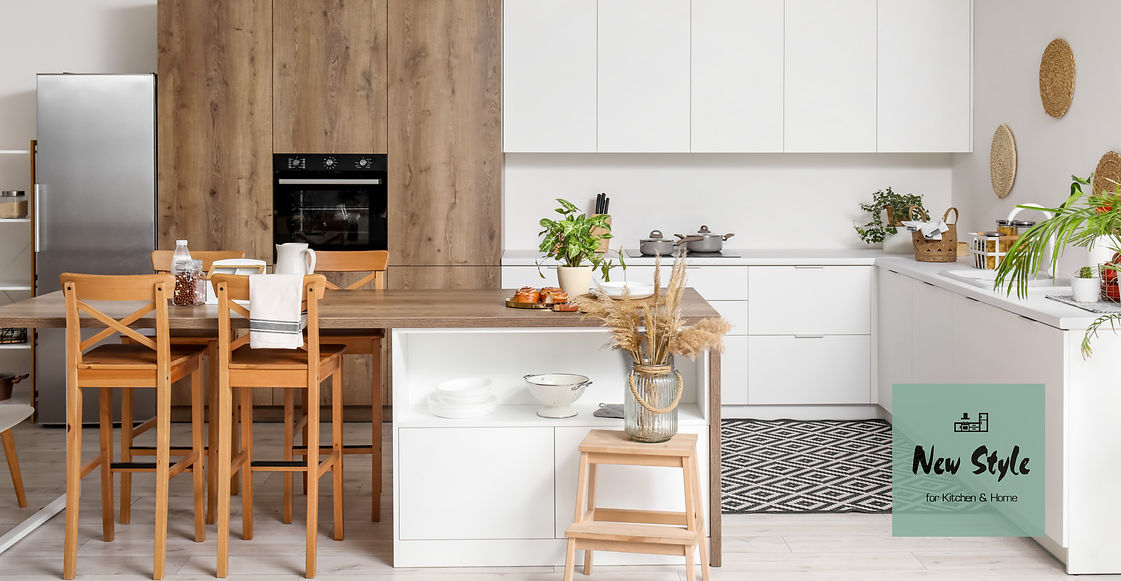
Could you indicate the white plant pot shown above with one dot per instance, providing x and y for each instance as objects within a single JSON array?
[
  {"x": 574, "y": 280},
  {"x": 1085, "y": 290}
]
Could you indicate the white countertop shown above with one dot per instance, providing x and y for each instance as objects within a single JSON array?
[{"x": 855, "y": 256}]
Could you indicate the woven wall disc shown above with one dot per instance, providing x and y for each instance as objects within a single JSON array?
[
  {"x": 1056, "y": 78},
  {"x": 1108, "y": 173},
  {"x": 1002, "y": 161}
]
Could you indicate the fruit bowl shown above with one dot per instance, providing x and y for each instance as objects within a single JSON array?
[{"x": 557, "y": 392}]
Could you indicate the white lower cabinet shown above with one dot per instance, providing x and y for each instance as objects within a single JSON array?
[
  {"x": 810, "y": 299},
  {"x": 809, "y": 369},
  {"x": 497, "y": 482},
  {"x": 895, "y": 333},
  {"x": 733, "y": 370}
]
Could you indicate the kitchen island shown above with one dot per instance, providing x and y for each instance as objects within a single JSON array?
[{"x": 496, "y": 490}]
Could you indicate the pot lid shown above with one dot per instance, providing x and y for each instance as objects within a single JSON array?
[
  {"x": 704, "y": 231},
  {"x": 655, "y": 236}
]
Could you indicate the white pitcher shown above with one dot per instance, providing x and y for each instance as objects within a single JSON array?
[{"x": 294, "y": 258}]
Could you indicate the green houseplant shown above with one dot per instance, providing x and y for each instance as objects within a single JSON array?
[
  {"x": 1083, "y": 220},
  {"x": 573, "y": 240},
  {"x": 896, "y": 206}
]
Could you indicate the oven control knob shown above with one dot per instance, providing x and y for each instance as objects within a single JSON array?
[
  {"x": 330, "y": 163},
  {"x": 363, "y": 163}
]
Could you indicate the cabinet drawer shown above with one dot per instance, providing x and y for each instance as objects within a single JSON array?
[
  {"x": 830, "y": 300},
  {"x": 497, "y": 482},
  {"x": 793, "y": 369},
  {"x": 736, "y": 314},
  {"x": 733, "y": 370},
  {"x": 715, "y": 283}
]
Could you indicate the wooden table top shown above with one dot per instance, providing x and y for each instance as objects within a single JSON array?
[{"x": 362, "y": 309}]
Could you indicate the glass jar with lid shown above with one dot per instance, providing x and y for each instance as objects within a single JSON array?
[
  {"x": 1005, "y": 227},
  {"x": 1022, "y": 226},
  {"x": 190, "y": 283},
  {"x": 13, "y": 204}
]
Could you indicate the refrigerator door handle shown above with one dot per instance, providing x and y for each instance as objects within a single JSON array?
[{"x": 38, "y": 212}]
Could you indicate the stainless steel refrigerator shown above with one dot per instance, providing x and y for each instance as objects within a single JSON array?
[{"x": 95, "y": 206}]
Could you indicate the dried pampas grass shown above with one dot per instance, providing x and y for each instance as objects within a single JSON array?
[{"x": 653, "y": 329}]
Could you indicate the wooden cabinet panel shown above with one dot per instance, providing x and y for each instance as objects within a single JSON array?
[
  {"x": 830, "y": 88},
  {"x": 329, "y": 76},
  {"x": 445, "y": 134},
  {"x": 736, "y": 75},
  {"x": 423, "y": 277},
  {"x": 215, "y": 124},
  {"x": 925, "y": 66}
]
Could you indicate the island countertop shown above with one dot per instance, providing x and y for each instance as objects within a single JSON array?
[{"x": 361, "y": 309}]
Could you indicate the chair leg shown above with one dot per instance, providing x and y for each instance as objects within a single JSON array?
[
  {"x": 73, "y": 477},
  {"x": 289, "y": 402},
  {"x": 9, "y": 443},
  {"x": 235, "y": 484},
  {"x": 303, "y": 433},
  {"x": 570, "y": 560},
  {"x": 375, "y": 441},
  {"x": 212, "y": 433},
  {"x": 163, "y": 461},
  {"x": 105, "y": 425},
  {"x": 247, "y": 468},
  {"x": 126, "y": 454},
  {"x": 226, "y": 450},
  {"x": 312, "y": 464},
  {"x": 590, "y": 508},
  {"x": 337, "y": 449},
  {"x": 200, "y": 453},
  {"x": 699, "y": 509}
]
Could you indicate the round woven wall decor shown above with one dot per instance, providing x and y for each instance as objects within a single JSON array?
[
  {"x": 1002, "y": 161},
  {"x": 1108, "y": 173},
  {"x": 1056, "y": 78}
]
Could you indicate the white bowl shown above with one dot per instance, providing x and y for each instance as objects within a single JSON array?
[
  {"x": 461, "y": 411},
  {"x": 557, "y": 392},
  {"x": 464, "y": 390},
  {"x": 638, "y": 290}
]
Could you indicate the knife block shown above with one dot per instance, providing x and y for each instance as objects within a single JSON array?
[{"x": 605, "y": 243}]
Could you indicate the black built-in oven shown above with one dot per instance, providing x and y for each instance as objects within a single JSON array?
[{"x": 330, "y": 201}]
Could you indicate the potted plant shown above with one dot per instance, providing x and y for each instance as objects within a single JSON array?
[
  {"x": 1082, "y": 220},
  {"x": 652, "y": 331},
  {"x": 573, "y": 240},
  {"x": 897, "y": 207},
  {"x": 1085, "y": 286}
]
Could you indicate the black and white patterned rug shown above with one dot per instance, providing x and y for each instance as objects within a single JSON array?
[{"x": 806, "y": 466}]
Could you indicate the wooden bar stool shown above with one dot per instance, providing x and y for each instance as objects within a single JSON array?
[
  {"x": 637, "y": 531},
  {"x": 147, "y": 362},
  {"x": 244, "y": 368},
  {"x": 357, "y": 342},
  {"x": 10, "y": 416}
]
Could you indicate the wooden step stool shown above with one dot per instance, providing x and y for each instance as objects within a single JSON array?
[{"x": 636, "y": 531}]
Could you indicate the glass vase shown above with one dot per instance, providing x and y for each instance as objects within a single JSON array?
[{"x": 652, "y": 416}]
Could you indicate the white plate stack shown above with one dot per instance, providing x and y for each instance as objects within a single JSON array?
[{"x": 465, "y": 397}]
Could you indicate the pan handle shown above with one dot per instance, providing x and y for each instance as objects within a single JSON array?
[
  {"x": 728, "y": 235},
  {"x": 20, "y": 378},
  {"x": 685, "y": 239}
]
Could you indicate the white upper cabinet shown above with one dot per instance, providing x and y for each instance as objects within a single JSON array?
[
  {"x": 643, "y": 94},
  {"x": 737, "y": 75},
  {"x": 549, "y": 75},
  {"x": 830, "y": 81},
  {"x": 925, "y": 71}
]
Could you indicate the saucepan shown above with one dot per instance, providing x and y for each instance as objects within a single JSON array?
[
  {"x": 656, "y": 244},
  {"x": 7, "y": 380},
  {"x": 704, "y": 240}
]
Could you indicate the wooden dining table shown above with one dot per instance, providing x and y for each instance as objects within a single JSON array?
[{"x": 401, "y": 309}]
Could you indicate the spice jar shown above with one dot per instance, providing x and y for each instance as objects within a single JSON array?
[
  {"x": 13, "y": 204},
  {"x": 1022, "y": 226},
  {"x": 1005, "y": 227},
  {"x": 190, "y": 284}
]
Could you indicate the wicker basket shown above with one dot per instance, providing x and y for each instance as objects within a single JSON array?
[{"x": 944, "y": 250}]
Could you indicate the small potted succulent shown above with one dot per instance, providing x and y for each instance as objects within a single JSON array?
[
  {"x": 574, "y": 241},
  {"x": 1085, "y": 286}
]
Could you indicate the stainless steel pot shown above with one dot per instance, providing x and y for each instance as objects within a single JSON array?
[
  {"x": 656, "y": 244},
  {"x": 7, "y": 380},
  {"x": 704, "y": 240}
]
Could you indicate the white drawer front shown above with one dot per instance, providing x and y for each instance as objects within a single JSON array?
[
  {"x": 733, "y": 370},
  {"x": 830, "y": 300},
  {"x": 736, "y": 314},
  {"x": 715, "y": 283},
  {"x": 792, "y": 369}
]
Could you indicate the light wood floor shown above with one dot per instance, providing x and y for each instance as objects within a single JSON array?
[{"x": 756, "y": 547}]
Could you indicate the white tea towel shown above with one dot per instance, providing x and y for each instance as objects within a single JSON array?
[
  {"x": 930, "y": 230},
  {"x": 275, "y": 321}
]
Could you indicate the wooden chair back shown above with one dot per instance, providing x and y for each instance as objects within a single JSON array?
[
  {"x": 235, "y": 287},
  {"x": 374, "y": 262},
  {"x": 154, "y": 289},
  {"x": 161, "y": 259}
]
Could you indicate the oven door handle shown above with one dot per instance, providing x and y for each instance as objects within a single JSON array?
[{"x": 328, "y": 181}]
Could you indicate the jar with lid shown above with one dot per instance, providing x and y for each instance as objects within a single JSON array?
[
  {"x": 13, "y": 204},
  {"x": 1005, "y": 227},
  {"x": 1022, "y": 226},
  {"x": 190, "y": 284}
]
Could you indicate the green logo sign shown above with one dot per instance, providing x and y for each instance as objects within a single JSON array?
[{"x": 967, "y": 460}]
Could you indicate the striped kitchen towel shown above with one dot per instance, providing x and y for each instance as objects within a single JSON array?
[{"x": 275, "y": 320}]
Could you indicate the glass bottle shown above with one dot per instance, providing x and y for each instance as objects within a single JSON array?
[{"x": 180, "y": 256}]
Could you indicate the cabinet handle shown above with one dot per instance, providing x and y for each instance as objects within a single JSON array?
[
  {"x": 38, "y": 210},
  {"x": 809, "y": 266},
  {"x": 809, "y": 336}
]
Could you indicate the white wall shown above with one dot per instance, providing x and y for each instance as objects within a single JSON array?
[
  {"x": 768, "y": 200},
  {"x": 49, "y": 36},
  {"x": 1009, "y": 41}
]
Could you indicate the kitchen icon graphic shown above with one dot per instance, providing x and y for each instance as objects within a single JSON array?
[{"x": 967, "y": 425}]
